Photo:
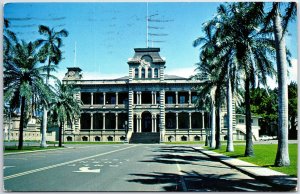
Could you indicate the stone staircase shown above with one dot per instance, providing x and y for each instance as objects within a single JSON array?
[{"x": 145, "y": 138}]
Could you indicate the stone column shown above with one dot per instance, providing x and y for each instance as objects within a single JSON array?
[
  {"x": 152, "y": 122},
  {"x": 140, "y": 72},
  {"x": 130, "y": 110},
  {"x": 202, "y": 113},
  {"x": 117, "y": 98},
  {"x": 137, "y": 98},
  {"x": 162, "y": 115},
  {"x": 92, "y": 98},
  {"x": 140, "y": 124},
  {"x": 131, "y": 73},
  {"x": 177, "y": 120},
  {"x": 103, "y": 115},
  {"x": 140, "y": 97},
  {"x": 104, "y": 98},
  {"x": 152, "y": 97},
  {"x": 155, "y": 124},
  {"x": 152, "y": 71},
  {"x": 92, "y": 121},
  {"x": 190, "y": 120},
  {"x": 116, "y": 114},
  {"x": 155, "y": 97},
  {"x": 176, "y": 98}
]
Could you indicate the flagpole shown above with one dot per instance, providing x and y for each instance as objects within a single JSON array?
[{"x": 147, "y": 26}]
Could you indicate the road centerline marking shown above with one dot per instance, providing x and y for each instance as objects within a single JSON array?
[
  {"x": 61, "y": 164},
  {"x": 184, "y": 188}
]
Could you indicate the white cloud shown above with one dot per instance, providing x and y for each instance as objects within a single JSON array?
[
  {"x": 293, "y": 71},
  {"x": 292, "y": 75},
  {"x": 182, "y": 72},
  {"x": 86, "y": 75}
]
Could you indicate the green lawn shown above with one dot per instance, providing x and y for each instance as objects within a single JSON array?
[
  {"x": 198, "y": 142},
  {"x": 10, "y": 149},
  {"x": 265, "y": 156}
]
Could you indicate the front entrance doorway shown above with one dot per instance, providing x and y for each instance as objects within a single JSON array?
[{"x": 146, "y": 122}]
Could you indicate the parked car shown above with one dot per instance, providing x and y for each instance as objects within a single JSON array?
[{"x": 265, "y": 138}]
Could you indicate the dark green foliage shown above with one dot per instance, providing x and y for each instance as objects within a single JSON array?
[
  {"x": 64, "y": 107},
  {"x": 23, "y": 81},
  {"x": 293, "y": 97},
  {"x": 262, "y": 105}
]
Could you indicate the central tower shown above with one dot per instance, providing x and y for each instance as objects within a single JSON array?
[
  {"x": 146, "y": 92},
  {"x": 146, "y": 64}
]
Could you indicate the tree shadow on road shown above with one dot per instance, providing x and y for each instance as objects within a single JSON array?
[
  {"x": 193, "y": 181},
  {"x": 175, "y": 149}
]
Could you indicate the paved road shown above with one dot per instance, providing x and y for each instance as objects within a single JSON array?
[{"x": 123, "y": 168}]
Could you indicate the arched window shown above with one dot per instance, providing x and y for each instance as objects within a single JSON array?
[
  {"x": 183, "y": 138},
  {"x": 84, "y": 138},
  {"x": 97, "y": 138},
  {"x": 136, "y": 73},
  {"x": 155, "y": 73},
  {"x": 149, "y": 72},
  {"x": 69, "y": 138},
  {"x": 110, "y": 138}
]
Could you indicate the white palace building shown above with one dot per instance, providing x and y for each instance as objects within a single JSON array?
[{"x": 147, "y": 106}]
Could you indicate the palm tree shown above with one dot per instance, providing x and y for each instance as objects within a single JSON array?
[
  {"x": 251, "y": 50},
  {"x": 210, "y": 92},
  {"x": 223, "y": 69},
  {"x": 64, "y": 107},
  {"x": 23, "y": 81},
  {"x": 279, "y": 28},
  {"x": 50, "y": 50},
  {"x": 9, "y": 40}
]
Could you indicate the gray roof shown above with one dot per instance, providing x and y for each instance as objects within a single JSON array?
[
  {"x": 168, "y": 77},
  {"x": 152, "y": 52}
]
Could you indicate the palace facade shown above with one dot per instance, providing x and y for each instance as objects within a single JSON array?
[{"x": 147, "y": 106}]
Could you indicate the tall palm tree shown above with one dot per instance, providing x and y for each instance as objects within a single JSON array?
[
  {"x": 64, "y": 107},
  {"x": 279, "y": 25},
  {"x": 251, "y": 49},
  {"x": 23, "y": 81},
  {"x": 210, "y": 90},
  {"x": 223, "y": 69},
  {"x": 51, "y": 52}
]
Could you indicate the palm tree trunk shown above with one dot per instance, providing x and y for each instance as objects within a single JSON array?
[
  {"x": 229, "y": 147},
  {"x": 60, "y": 134},
  {"x": 218, "y": 127},
  {"x": 21, "y": 125},
  {"x": 213, "y": 126},
  {"x": 45, "y": 113},
  {"x": 249, "y": 143},
  {"x": 282, "y": 156}
]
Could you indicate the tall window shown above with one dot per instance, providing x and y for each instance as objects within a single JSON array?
[
  {"x": 181, "y": 99},
  {"x": 143, "y": 73},
  {"x": 149, "y": 72},
  {"x": 156, "y": 73},
  {"x": 170, "y": 100},
  {"x": 136, "y": 73}
]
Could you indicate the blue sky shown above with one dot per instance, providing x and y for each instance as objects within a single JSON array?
[{"x": 106, "y": 33}]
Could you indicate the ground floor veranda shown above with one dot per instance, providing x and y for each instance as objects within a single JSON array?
[{"x": 179, "y": 126}]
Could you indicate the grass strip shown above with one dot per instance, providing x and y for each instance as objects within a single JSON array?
[
  {"x": 10, "y": 149},
  {"x": 264, "y": 155}
]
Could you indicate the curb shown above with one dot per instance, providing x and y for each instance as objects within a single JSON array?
[
  {"x": 280, "y": 181},
  {"x": 16, "y": 153}
]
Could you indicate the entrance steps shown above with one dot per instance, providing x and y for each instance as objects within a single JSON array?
[{"x": 145, "y": 138}]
